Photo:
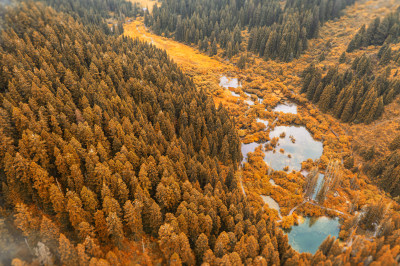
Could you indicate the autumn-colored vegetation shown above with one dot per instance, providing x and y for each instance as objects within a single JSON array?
[
  {"x": 276, "y": 86},
  {"x": 114, "y": 154},
  {"x": 275, "y": 32}
]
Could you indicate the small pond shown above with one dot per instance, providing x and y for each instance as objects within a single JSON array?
[
  {"x": 303, "y": 148},
  {"x": 265, "y": 122},
  {"x": 246, "y": 148},
  {"x": 272, "y": 204},
  {"x": 249, "y": 102},
  {"x": 227, "y": 82},
  {"x": 308, "y": 236},
  {"x": 318, "y": 186},
  {"x": 287, "y": 108}
]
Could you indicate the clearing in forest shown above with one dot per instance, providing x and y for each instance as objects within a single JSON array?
[
  {"x": 186, "y": 56},
  {"x": 146, "y": 3}
]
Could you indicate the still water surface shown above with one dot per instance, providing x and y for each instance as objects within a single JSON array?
[{"x": 309, "y": 235}]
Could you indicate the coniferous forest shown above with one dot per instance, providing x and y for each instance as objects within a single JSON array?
[
  {"x": 380, "y": 31},
  {"x": 357, "y": 95},
  {"x": 276, "y": 32},
  {"x": 121, "y": 144}
]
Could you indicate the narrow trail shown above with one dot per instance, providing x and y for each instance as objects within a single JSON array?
[
  {"x": 295, "y": 208},
  {"x": 315, "y": 204}
]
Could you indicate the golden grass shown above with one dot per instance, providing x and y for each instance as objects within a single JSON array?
[
  {"x": 184, "y": 55},
  {"x": 146, "y": 3},
  {"x": 204, "y": 70},
  {"x": 338, "y": 33},
  {"x": 276, "y": 80}
]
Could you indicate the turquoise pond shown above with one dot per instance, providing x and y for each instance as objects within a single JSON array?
[{"x": 309, "y": 235}]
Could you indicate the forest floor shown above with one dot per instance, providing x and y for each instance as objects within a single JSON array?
[{"x": 279, "y": 81}]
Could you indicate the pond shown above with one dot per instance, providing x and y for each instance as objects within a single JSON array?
[
  {"x": 227, "y": 82},
  {"x": 303, "y": 148},
  {"x": 234, "y": 94},
  {"x": 318, "y": 186},
  {"x": 308, "y": 236},
  {"x": 297, "y": 142},
  {"x": 265, "y": 122},
  {"x": 287, "y": 108},
  {"x": 251, "y": 102},
  {"x": 246, "y": 148},
  {"x": 272, "y": 204}
]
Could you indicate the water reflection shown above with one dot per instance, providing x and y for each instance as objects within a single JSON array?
[
  {"x": 249, "y": 102},
  {"x": 265, "y": 122},
  {"x": 309, "y": 235},
  {"x": 229, "y": 82},
  {"x": 318, "y": 186},
  {"x": 272, "y": 204},
  {"x": 246, "y": 148},
  {"x": 297, "y": 142},
  {"x": 287, "y": 108}
]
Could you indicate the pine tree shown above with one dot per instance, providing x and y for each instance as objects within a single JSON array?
[
  {"x": 67, "y": 251},
  {"x": 133, "y": 218},
  {"x": 115, "y": 229},
  {"x": 89, "y": 200},
  {"x": 242, "y": 62},
  {"x": 328, "y": 96},
  {"x": 101, "y": 226},
  {"x": 342, "y": 58},
  {"x": 25, "y": 221},
  {"x": 201, "y": 246}
]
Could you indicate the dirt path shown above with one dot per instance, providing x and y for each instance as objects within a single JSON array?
[
  {"x": 315, "y": 204},
  {"x": 295, "y": 208}
]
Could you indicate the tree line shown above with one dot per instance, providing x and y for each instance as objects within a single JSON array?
[
  {"x": 107, "y": 138},
  {"x": 275, "y": 32},
  {"x": 379, "y": 32},
  {"x": 91, "y": 12},
  {"x": 383, "y": 32},
  {"x": 359, "y": 94},
  {"x": 385, "y": 170}
]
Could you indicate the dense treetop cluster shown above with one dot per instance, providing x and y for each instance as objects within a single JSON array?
[
  {"x": 386, "y": 171},
  {"x": 105, "y": 140},
  {"x": 106, "y": 143},
  {"x": 96, "y": 11},
  {"x": 276, "y": 32},
  {"x": 357, "y": 95}
]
